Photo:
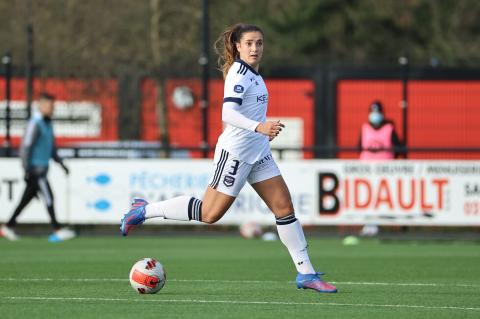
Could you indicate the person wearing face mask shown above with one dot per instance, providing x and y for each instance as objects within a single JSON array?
[
  {"x": 378, "y": 138},
  {"x": 378, "y": 141},
  {"x": 38, "y": 147}
]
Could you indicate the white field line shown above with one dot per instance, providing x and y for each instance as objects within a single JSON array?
[
  {"x": 360, "y": 283},
  {"x": 239, "y": 302}
]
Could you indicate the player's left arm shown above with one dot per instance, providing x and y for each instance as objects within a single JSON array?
[{"x": 233, "y": 117}]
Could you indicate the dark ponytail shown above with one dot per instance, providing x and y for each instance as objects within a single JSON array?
[{"x": 226, "y": 48}]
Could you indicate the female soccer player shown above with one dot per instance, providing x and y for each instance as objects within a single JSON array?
[{"x": 242, "y": 154}]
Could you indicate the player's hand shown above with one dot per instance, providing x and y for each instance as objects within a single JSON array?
[
  {"x": 270, "y": 129},
  {"x": 27, "y": 176},
  {"x": 29, "y": 173}
]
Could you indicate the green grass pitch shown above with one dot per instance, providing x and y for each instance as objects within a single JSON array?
[{"x": 229, "y": 277}]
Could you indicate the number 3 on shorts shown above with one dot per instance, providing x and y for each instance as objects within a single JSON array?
[{"x": 235, "y": 167}]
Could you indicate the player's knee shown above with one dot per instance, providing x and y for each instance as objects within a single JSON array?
[
  {"x": 210, "y": 216},
  {"x": 283, "y": 208},
  {"x": 210, "y": 219}
]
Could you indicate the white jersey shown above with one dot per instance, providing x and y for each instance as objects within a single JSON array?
[{"x": 244, "y": 86}]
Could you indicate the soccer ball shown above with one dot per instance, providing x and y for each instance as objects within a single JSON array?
[
  {"x": 250, "y": 230},
  {"x": 147, "y": 276}
]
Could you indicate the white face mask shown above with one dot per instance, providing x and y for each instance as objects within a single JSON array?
[{"x": 375, "y": 118}]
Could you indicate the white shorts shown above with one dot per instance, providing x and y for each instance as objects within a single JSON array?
[{"x": 231, "y": 173}]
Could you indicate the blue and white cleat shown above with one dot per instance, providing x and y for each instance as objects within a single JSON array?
[
  {"x": 313, "y": 281},
  {"x": 136, "y": 216},
  {"x": 61, "y": 235}
]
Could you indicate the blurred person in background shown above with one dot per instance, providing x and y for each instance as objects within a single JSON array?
[
  {"x": 38, "y": 147},
  {"x": 378, "y": 141},
  {"x": 242, "y": 155},
  {"x": 378, "y": 138}
]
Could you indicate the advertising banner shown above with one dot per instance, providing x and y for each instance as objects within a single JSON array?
[
  {"x": 399, "y": 192},
  {"x": 12, "y": 185},
  {"x": 71, "y": 119},
  {"x": 324, "y": 192}
]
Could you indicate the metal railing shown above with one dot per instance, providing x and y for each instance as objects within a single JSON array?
[{"x": 155, "y": 150}]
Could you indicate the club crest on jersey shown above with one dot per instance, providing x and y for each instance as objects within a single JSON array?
[
  {"x": 238, "y": 88},
  {"x": 229, "y": 180}
]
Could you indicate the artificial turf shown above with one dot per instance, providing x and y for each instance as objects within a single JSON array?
[{"x": 230, "y": 277}]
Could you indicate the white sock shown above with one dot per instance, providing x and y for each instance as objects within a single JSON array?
[
  {"x": 179, "y": 208},
  {"x": 291, "y": 234}
]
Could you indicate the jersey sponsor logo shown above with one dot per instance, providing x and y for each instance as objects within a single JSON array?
[
  {"x": 262, "y": 98},
  {"x": 265, "y": 159},
  {"x": 238, "y": 88},
  {"x": 228, "y": 180}
]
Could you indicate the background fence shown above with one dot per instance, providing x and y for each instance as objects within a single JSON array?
[{"x": 322, "y": 108}]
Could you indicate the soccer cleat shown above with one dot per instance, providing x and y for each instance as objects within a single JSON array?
[
  {"x": 8, "y": 233},
  {"x": 313, "y": 281},
  {"x": 136, "y": 216},
  {"x": 61, "y": 234}
]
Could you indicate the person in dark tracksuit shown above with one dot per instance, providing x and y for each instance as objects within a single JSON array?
[{"x": 38, "y": 147}]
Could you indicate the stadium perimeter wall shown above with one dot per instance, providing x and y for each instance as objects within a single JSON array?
[
  {"x": 321, "y": 107},
  {"x": 325, "y": 192}
]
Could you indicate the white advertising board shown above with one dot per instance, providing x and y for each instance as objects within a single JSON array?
[
  {"x": 391, "y": 192},
  {"x": 324, "y": 192},
  {"x": 12, "y": 186},
  {"x": 70, "y": 118}
]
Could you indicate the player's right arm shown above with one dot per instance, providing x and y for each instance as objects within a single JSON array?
[{"x": 236, "y": 85}]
